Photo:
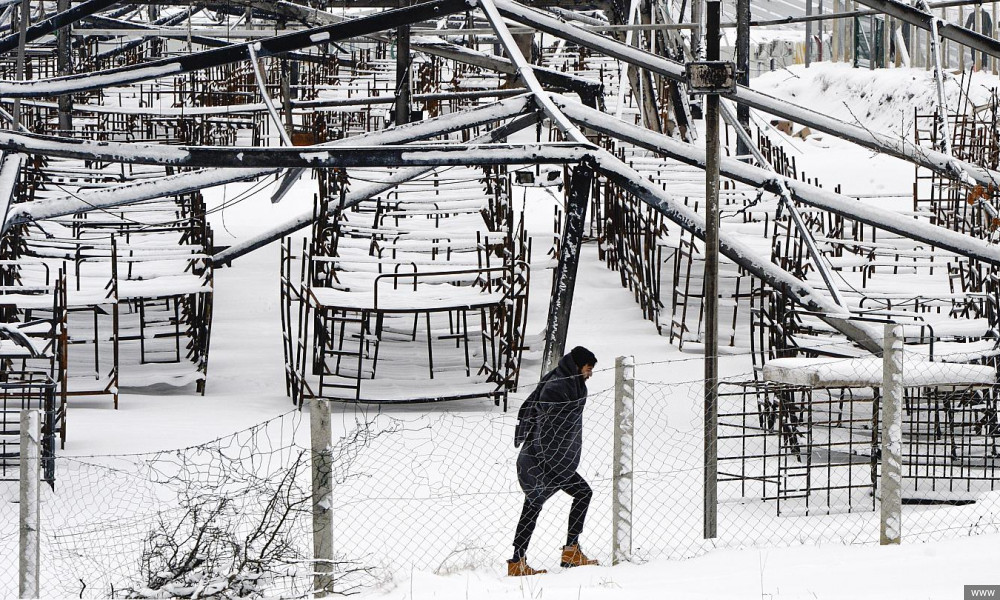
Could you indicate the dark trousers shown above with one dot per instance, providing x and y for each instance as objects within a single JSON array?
[{"x": 534, "y": 498}]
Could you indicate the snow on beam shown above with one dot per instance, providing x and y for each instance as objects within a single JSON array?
[
  {"x": 55, "y": 22},
  {"x": 556, "y": 79},
  {"x": 898, "y": 147},
  {"x": 306, "y": 157},
  {"x": 242, "y": 109},
  {"x": 129, "y": 193},
  {"x": 870, "y": 338},
  {"x": 906, "y": 226},
  {"x": 867, "y": 372},
  {"x": 85, "y": 82},
  {"x": 10, "y": 166},
  {"x": 527, "y": 74},
  {"x": 355, "y": 195},
  {"x": 183, "y": 183},
  {"x": 435, "y": 47}
]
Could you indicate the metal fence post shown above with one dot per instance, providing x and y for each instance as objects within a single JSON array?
[
  {"x": 621, "y": 476},
  {"x": 28, "y": 545},
  {"x": 322, "y": 491},
  {"x": 711, "y": 281},
  {"x": 892, "y": 433}
]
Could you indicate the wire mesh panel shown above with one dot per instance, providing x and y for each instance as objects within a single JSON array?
[
  {"x": 230, "y": 515},
  {"x": 27, "y": 390},
  {"x": 438, "y": 490}
]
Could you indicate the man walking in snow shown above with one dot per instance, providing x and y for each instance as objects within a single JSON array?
[{"x": 550, "y": 427}]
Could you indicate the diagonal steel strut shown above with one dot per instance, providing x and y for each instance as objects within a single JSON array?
[{"x": 900, "y": 148}]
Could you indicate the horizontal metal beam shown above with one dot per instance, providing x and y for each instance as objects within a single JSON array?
[
  {"x": 906, "y": 226},
  {"x": 274, "y": 46},
  {"x": 433, "y": 46},
  {"x": 746, "y": 257},
  {"x": 281, "y": 7},
  {"x": 183, "y": 183},
  {"x": 55, "y": 22},
  {"x": 898, "y": 147},
  {"x": 242, "y": 109},
  {"x": 355, "y": 195},
  {"x": 305, "y": 157}
]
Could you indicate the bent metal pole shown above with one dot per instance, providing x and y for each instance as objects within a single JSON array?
[
  {"x": 801, "y": 191},
  {"x": 900, "y": 148}
]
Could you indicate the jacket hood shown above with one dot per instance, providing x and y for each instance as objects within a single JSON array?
[{"x": 568, "y": 366}]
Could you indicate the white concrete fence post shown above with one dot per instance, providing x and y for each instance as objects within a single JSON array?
[
  {"x": 621, "y": 494},
  {"x": 892, "y": 436},
  {"x": 322, "y": 492},
  {"x": 28, "y": 544}
]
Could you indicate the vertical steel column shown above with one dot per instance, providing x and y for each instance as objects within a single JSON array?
[
  {"x": 837, "y": 28},
  {"x": 64, "y": 64},
  {"x": 711, "y": 285},
  {"x": 322, "y": 490},
  {"x": 22, "y": 40},
  {"x": 403, "y": 75},
  {"x": 697, "y": 45},
  {"x": 564, "y": 281},
  {"x": 809, "y": 32},
  {"x": 286, "y": 95},
  {"x": 743, "y": 69},
  {"x": 890, "y": 486}
]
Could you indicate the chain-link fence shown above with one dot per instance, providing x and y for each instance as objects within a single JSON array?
[{"x": 800, "y": 460}]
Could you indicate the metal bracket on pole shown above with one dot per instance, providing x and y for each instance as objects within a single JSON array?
[{"x": 711, "y": 77}]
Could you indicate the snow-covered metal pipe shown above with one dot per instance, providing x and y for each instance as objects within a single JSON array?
[
  {"x": 183, "y": 183},
  {"x": 84, "y": 82},
  {"x": 527, "y": 74},
  {"x": 822, "y": 264},
  {"x": 341, "y": 156},
  {"x": 275, "y": 118},
  {"x": 898, "y": 147},
  {"x": 800, "y": 292},
  {"x": 356, "y": 195},
  {"x": 904, "y": 225},
  {"x": 10, "y": 168},
  {"x": 944, "y": 133}
]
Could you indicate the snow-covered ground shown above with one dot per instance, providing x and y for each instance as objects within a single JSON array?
[{"x": 246, "y": 385}]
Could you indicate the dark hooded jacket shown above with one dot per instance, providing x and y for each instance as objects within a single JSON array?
[{"x": 550, "y": 425}]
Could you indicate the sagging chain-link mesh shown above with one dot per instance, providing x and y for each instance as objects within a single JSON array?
[
  {"x": 231, "y": 515},
  {"x": 437, "y": 490}
]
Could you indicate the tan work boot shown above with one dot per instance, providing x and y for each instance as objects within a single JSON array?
[
  {"x": 572, "y": 556},
  {"x": 520, "y": 568}
]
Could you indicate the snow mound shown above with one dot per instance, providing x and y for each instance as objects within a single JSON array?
[{"x": 883, "y": 100}]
